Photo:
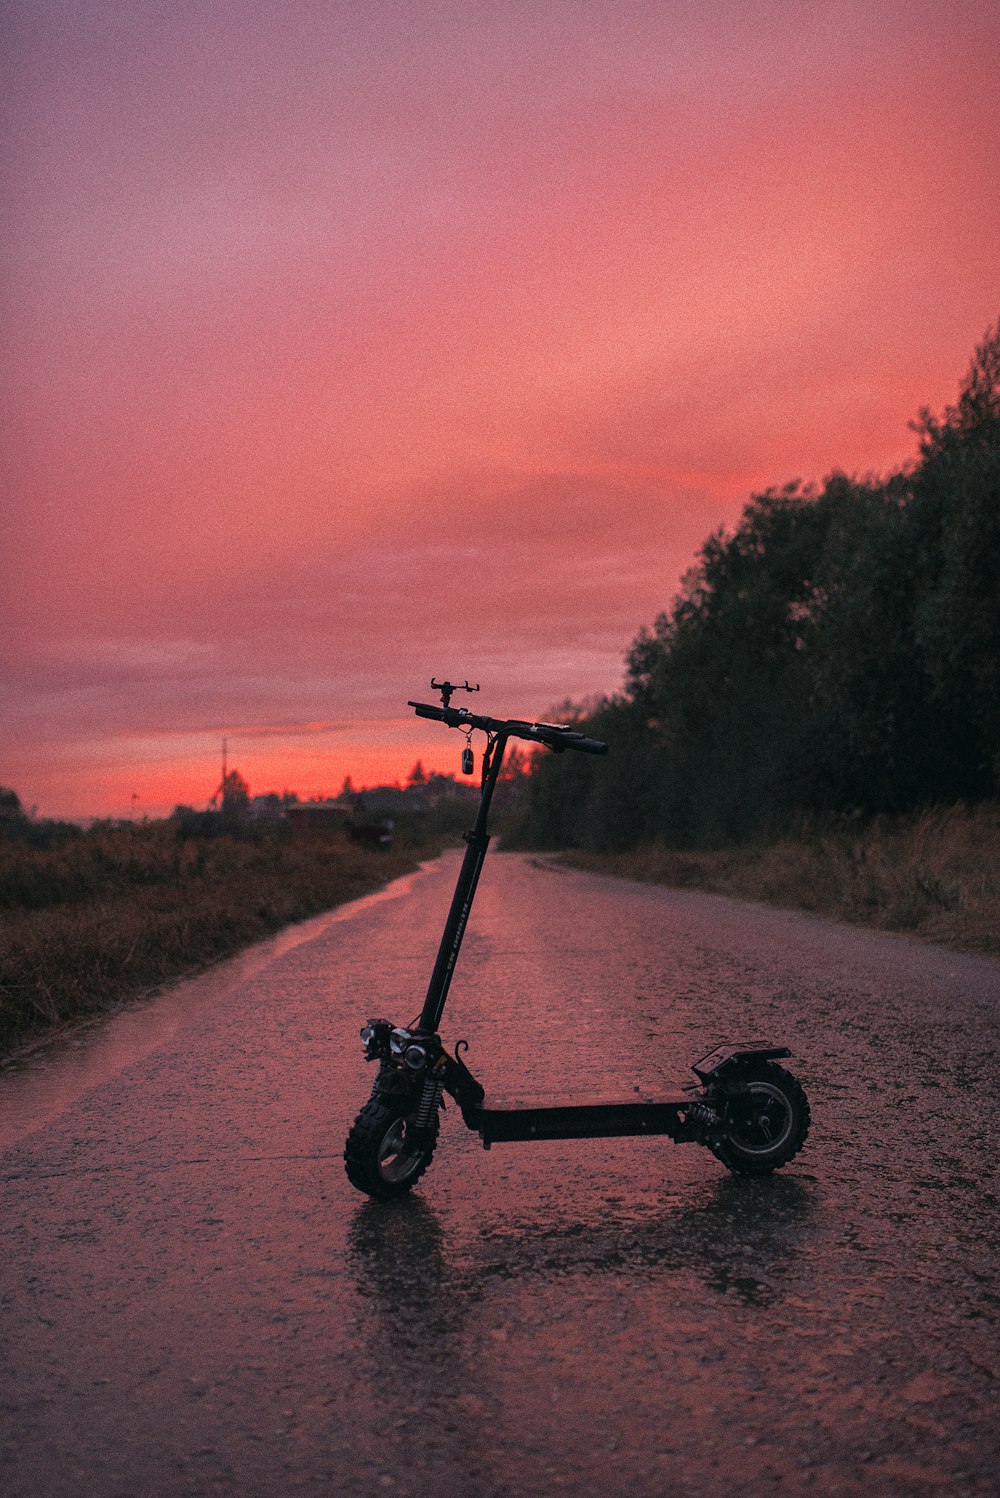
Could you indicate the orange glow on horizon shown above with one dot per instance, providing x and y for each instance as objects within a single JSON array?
[{"x": 158, "y": 788}]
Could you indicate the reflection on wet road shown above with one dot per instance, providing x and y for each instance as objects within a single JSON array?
[{"x": 195, "y": 1301}]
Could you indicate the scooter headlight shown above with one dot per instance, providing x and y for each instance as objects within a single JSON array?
[
  {"x": 415, "y": 1057},
  {"x": 375, "y": 1038}
]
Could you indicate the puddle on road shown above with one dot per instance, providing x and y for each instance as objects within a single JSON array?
[{"x": 43, "y": 1079}]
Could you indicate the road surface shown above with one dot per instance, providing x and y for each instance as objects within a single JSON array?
[{"x": 194, "y": 1300}]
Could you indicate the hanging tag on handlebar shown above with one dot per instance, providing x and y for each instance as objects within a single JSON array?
[{"x": 468, "y": 760}]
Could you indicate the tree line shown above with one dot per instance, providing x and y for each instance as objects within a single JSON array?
[{"x": 837, "y": 652}]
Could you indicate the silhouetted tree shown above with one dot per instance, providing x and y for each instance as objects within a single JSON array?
[
  {"x": 11, "y": 809},
  {"x": 954, "y": 516},
  {"x": 838, "y": 651}
]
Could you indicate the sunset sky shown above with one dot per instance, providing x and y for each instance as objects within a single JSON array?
[{"x": 349, "y": 343}]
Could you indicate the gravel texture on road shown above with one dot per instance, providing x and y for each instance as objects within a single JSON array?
[{"x": 194, "y": 1300}]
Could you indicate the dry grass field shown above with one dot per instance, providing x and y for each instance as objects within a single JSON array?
[
  {"x": 935, "y": 874},
  {"x": 121, "y": 910}
]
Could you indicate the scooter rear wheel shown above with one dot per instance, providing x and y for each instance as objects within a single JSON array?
[
  {"x": 768, "y": 1120},
  {"x": 383, "y": 1155}
]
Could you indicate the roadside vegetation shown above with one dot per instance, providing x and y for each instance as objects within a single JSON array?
[
  {"x": 934, "y": 874},
  {"x": 826, "y": 681},
  {"x": 89, "y": 919}
]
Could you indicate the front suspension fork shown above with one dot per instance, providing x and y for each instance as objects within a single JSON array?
[{"x": 430, "y": 1098}]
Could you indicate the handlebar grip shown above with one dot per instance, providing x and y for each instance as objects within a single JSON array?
[
  {"x": 558, "y": 738},
  {"x": 427, "y": 710},
  {"x": 585, "y": 745}
]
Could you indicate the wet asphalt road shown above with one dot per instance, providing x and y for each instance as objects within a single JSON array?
[{"x": 194, "y": 1300}]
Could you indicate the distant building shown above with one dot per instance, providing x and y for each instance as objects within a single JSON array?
[
  {"x": 441, "y": 788},
  {"x": 372, "y": 834},
  {"x": 316, "y": 816},
  {"x": 390, "y": 801},
  {"x": 267, "y": 810}
]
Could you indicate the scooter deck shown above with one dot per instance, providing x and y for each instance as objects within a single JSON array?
[{"x": 604, "y": 1118}]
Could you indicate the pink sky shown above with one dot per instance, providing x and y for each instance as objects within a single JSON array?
[{"x": 351, "y": 343}]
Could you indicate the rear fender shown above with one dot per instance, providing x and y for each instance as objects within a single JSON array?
[{"x": 726, "y": 1060}]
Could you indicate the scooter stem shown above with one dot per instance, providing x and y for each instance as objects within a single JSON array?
[{"x": 465, "y": 890}]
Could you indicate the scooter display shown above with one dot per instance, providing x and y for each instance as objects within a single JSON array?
[{"x": 750, "y": 1112}]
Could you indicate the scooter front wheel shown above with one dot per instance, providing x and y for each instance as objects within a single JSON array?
[
  {"x": 384, "y": 1155},
  {"x": 767, "y": 1121}
]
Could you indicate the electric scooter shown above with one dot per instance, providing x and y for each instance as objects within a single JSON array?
[{"x": 750, "y": 1112}]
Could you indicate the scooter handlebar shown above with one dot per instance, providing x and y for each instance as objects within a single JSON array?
[
  {"x": 555, "y": 736},
  {"x": 427, "y": 710},
  {"x": 570, "y": 740}
]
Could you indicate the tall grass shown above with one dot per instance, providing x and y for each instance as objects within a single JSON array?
[
  {"x": 935, "y": 874},
  {"x": 102, "y": 917}
]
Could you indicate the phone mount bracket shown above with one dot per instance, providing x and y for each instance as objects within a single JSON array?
[{"x": 446, "y": 688}]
